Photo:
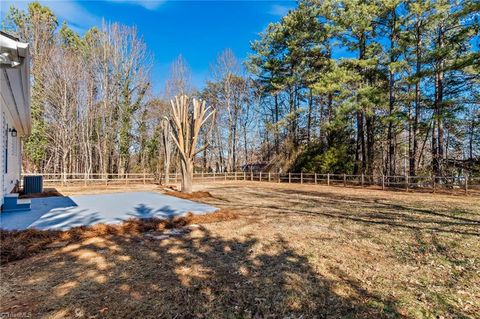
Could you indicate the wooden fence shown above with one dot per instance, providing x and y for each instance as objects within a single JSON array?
[
  {"x": 55, "y": 179},
  {"x": 464, "y": 183}
]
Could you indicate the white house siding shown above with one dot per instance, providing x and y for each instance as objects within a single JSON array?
[
  {"x": 10, "y": 146},
  {"x": 14, "y": 109}
]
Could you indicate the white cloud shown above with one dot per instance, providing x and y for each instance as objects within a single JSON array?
[
  {"x": 71, "y": 11},
  {"x": 147, "y": 4},
  {"x": 279, "y": 10},
  {"x": 74, "y": 14}
]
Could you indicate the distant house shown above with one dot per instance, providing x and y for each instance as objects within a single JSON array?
[{"x": 15, "y": 120}]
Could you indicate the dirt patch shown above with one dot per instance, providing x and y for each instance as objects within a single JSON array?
[
  {"x": 47, "y": 192},
  {"x": 193, "y": 195},
  {"x": 16, "y": 245}
]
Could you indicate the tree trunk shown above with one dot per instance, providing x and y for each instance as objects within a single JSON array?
[
  {"x": 391, "y": 100},
  {"x": 276, "y": 132},
  {"x": 292, "y": 128},
  {"x": 411, "y": 138},
  {"x": 418, "y": 66},
  {"x": 186, "y": 127},
  {"x": 438, "y": 152},
  {"x": 187, "y": 176},
  {"x": 370, "y": 144},
  {"x": 309, "y": 119},
  {"x": 360, "y": 141}
]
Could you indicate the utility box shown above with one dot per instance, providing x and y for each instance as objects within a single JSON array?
[{"x": 32, "y": 184}]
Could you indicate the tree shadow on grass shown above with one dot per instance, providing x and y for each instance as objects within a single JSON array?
[
  {"x": 375, "y": 201},
  {"x": 363, "y": 210},
  {"x": 392, "y": 220},
  {"x": 197, "y": 275}
]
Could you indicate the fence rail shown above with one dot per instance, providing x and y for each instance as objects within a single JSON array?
[
  {"x": 406, "y": 182},
  {"x": 50, "y": 179}
]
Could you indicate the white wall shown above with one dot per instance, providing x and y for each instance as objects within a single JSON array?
[
  {"x": 11, "y": 173},
  {"x": 14, "y": 111},
  {"x": 2, "y": 154}
]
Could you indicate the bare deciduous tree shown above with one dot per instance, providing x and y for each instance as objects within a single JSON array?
[
  {"x": 180, "y": 79},
  {"x": 186, "y": 125},
  {"x": 167, "y": 148}
]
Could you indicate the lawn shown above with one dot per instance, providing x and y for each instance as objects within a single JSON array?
[{"x": 294, "y": 251}]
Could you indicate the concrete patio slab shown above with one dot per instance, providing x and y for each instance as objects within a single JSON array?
[{"x": 62, "y": 213}]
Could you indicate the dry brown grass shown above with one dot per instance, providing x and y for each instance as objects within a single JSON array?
[
  {"x": 47, "y": 192},
  {"x": 191, "y": 196},
  {"x": 295, "y": 251},
  {"x": 79, "y": 189},
  {"x": 16, "y": 245}
]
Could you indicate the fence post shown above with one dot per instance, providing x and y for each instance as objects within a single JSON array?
[
  {"x": 406, "y": 182},
  {"x": 328, "y": 179},
  {"x": 244, "y": 175},
  {"x": 466, "y": 183},
  {"x": 235, "y": 175},
  {"x": 344, "y": 180},
  {"x": 214, "y": 176},
  {"x": 268, "y": 176},
  {"x": 144, "y": 178},
  {"x": 289, "y": 178},
  {"x": 362, "y": 179},
  {"x": 251, "y": 176},
  {"x": 225, "y": 176},
  {"x": 315, "y": 178},
  {"x": 301, "y": 177},
  {"x": 383, "y": 182}
]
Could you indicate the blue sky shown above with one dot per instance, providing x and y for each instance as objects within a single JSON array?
[{"x": 198, "y": 30}]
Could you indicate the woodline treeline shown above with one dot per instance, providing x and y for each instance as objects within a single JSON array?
[{"x": 348, "y": 86}]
